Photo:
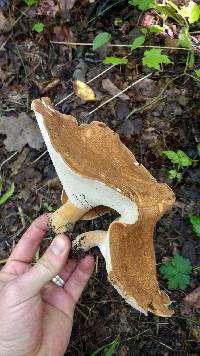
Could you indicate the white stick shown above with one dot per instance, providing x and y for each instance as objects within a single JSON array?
[{"x": 118, "y": 94}]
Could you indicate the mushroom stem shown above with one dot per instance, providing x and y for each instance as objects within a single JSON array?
[
  {"x": 89, "y": 239},
  {"x": 64, "y": 218}
]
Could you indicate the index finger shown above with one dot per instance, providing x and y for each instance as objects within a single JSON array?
[{"x": 28, "y": 245}]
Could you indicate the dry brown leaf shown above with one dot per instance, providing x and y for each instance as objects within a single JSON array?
[
  {"x": 113, "y": 90},
  {"x": 66, "y": 4},
  {"x": 191, "y": 302},
  {"x": 4, "y": 23},
  {"x": 44, "y": 87},
  {"x": 20, "y": 130},
  {"x": 64, "y": 34},
  {"x": 83, "y": 91}
]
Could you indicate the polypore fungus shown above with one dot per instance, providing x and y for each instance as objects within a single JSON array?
[{"x": 98, "y": 171}]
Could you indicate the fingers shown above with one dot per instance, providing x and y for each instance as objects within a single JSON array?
[
  {"x": 79, "y": 278},
  {"x": 68, "y": 269},
  {"x": 30, "y": 241},
  {"x": 49, "y": 265},
  {"x": 65, "y": 299}
]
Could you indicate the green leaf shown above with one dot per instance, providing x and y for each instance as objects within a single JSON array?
[
  {"x": 108, "y": 349},
  {"x": 7, "y": 195},
  {"x": 38, "y": 27},
  {"x": 142, "y": 4},
  {"x": 31, "y": 2},
  {"x": 174, "y": 6},
  {"x": 47, "y": 206},
  {"x": 184, "y": 38},
  {"x": 156, "y": 29},
  {"x": 115, "y": 60},
  {"x": 153, "y": 58},
  {"x": 172, "y": 174},
  {"x": 177, "y": 272},
  {"x": 184, "y": 159},
  {"x": 138, "y": 41},
  {"x": 198, "y": 149},
  {"x": 167, "y": 11},
  {"x": 197, "y": 72},
  {"x": 101, "y": 39},
  {"x": 191, "y": 11},
  {"x": 195, "y": 221},
  {"x": 180, "y": 158},
  {"x": 113, "y": 346},
  {"x": 172, "y": 156}
]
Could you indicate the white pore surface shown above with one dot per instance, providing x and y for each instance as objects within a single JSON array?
[{"x": 88, "y": 193}]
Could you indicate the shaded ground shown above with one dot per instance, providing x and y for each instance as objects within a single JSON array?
[{"x": 27, "y": 62}]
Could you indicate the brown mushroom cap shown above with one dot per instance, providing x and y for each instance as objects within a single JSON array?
[{"x": 96, "y": 152}]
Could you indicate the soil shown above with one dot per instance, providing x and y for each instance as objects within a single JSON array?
[{"x": 30, "y": 65}]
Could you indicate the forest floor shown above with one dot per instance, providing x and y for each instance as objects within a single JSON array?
[{"x": 32, "y": 66}]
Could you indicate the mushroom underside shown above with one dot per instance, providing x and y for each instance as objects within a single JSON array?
[{"x": 122, "y": 185}]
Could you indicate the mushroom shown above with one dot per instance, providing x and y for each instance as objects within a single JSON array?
[{"x": 96, "y": 171}]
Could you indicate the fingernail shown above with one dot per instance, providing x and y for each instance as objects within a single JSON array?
[{"x": 58, "y": 246}]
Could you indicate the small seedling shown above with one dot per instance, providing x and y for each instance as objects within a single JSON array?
[
  {"x": 195, "y": 221},
  {"x": 180, "y": 160},
  {"x": 138, "y": 41},
  {"x": 100, "y": 40},
  {"x": 153, "y": 58},
  {"x": 38, "y": 27},
  {"x": 8, "y": 194},
  {"x": 177, "y": 272},
  {"x": 47, "y": 206}
]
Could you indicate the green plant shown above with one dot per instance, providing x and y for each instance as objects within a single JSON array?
[
  {"x": 138, "y": 41},
  {"x": 109, "y": 349},
  {"x": 8, "y": 194},
  {"x": 142, "y": 4},
  {"x": 180, "y": 160},
  {"x": 177, "y": 272},
  {"x": 31, "y": 2},
  {"x": 38, "y": 27},
  {"x": 197, "y": 72},
  {"x": 100, "y": 40},
  {"x": 195, "y": 221},
  {"x": 184, "y": 16},
  {"x": 153, "y": 58},
  {"x": 47, "y": 206}
]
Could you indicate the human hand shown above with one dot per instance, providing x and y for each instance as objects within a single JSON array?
[{"x": 36, "y": 315}]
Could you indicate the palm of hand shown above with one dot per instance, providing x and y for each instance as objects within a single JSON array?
[{"x": 38, "y": 323}]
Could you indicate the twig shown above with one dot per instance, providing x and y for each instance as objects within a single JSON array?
[
  {"x": 37, "y": 159},
  {"x": 7, "y": 159},
  {"x": 118, "y": 94},
  {"x": 116, "y": 45},
  {"x": 91, "y": 80}
]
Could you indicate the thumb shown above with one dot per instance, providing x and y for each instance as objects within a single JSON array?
[{"x": 49, "y": 265}]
